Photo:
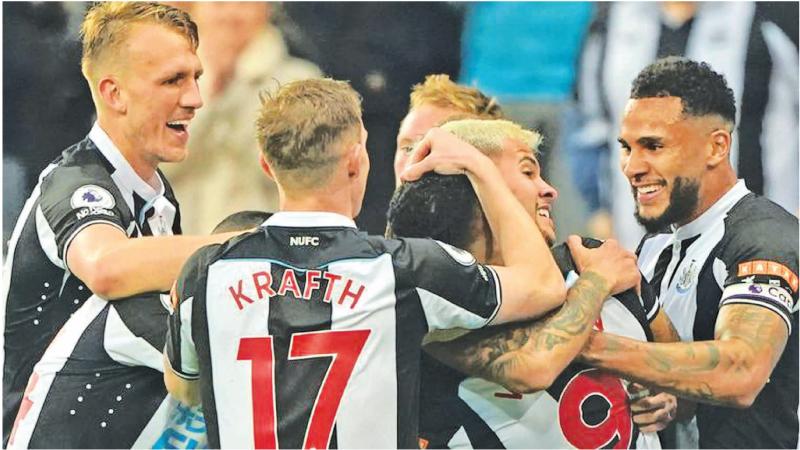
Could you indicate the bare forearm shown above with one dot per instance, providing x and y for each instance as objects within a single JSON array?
[
  {"x": 519, "y": 238},
  {"x": 149, "y": 263},
  {"x": 717, "y": 372},
  {"x": 527, "y": 357}
]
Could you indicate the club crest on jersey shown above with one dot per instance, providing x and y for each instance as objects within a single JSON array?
[
  {"x": 462, "y": 257},
  {"x": 92, "y": 196},
  {"x": 687, "y": 277}
]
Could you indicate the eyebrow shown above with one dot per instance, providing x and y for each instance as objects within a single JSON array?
[
  {"x": 531, "y": 159},
  {"x": 646, "y": 141}
]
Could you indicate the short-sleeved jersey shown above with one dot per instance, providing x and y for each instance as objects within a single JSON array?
[
  {"x": 100, "y": 382},
  {"x": 742, "y": 250},
  {"x": 583, "y": 408},
  {"x": 90, "y": 183},
  {"x": 306, "y": 333}
]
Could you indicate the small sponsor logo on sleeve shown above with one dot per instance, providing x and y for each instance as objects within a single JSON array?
[
  {"x": 91, "y": 196},
  {"x": 763, "y": 267},
  {"x": 462, "y": 257}
]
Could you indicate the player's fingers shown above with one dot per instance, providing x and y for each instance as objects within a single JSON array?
[
  {"x": 421, "y": 150},
  {"x": 652, "y": 402},
  {"x": 414, "y": 171},
  {"x": 575, "y": 244}
]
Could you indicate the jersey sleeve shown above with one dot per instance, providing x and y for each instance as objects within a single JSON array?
[
  {"x": 180, "y": 348},
  {"x": 72, "y": 199},
  {"x": 761, "y": 262},
  {"x": 454, "y": 290}
]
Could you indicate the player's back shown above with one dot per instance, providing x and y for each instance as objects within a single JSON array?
[
  {"x": 309, "y": 336},
  {"x": 583, "y": 408}
]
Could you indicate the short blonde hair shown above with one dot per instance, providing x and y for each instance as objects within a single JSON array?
[
  {"x": 488, "y": 136},
  {"x": 439, "y": 90},
  {"x": 300, "y": 127},
  {"x": 106, "y": 24}
]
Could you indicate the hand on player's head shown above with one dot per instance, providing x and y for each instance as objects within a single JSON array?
[
  {"x": 441, "y": 152},
  {"x": 612, "y": 262}
]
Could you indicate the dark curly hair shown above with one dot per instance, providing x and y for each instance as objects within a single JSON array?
[
  {"x": 440, "y": 207},
  {"x": 701, "y": 90}
]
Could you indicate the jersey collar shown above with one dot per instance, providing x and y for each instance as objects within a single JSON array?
[
  {"x": 716, "y": 212},
  {"x": 123, "y": 169},
  {"x": 308, "y": 219}
]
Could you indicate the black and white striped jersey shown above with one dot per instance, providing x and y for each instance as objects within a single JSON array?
[
  {"x": 100, "y": 382},
  {"x": 90, "y": 183},
  {"x": 584, "y": 407},
  {"x": 306, "y": 333},
  {"x": 742, "y": 250}
]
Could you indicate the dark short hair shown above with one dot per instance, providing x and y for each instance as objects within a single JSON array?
[
  {"x": 242, "y": 220},
  {"x": 701, "y": 90},
  {"x": 435, "y": 206}
]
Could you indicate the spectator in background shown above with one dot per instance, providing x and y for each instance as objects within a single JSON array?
[
  {"x": 525, "y": 54},
  {"x": 741, "y": 41},
  {"x": 383, "y": 49},
  {"x": 40, "y": 116},
  {"x": 242, "y": 53}
]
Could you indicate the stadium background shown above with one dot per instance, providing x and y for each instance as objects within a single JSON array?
[{"x": 525, "y": 54}]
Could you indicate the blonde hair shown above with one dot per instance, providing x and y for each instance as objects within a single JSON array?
[
  {"x": 488, "y": 136},
  {"x": 300, "y": 127},
  {"x": 439, "y": 90},
  {"x": 106, "y": 25}
]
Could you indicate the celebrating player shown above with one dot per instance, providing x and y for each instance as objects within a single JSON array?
[
  {"x": 723, "y": 260},
  {"x": 431, "y": 103},
  {"x": 73, "y": 237},
  {"x": 257, "y": 319},
  {"x": 100, "y": 383},
  {"x": 460, "y": 411}
]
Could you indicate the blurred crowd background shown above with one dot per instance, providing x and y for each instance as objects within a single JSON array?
[{"x": 563, "y": 68}]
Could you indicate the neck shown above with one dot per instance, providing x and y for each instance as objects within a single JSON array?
[
  {"x": 143, "y": 167},
  {"x": 711, "y": 190},
  {"x": 328, "y": 199},
  {"x": 678, "y": 13}
]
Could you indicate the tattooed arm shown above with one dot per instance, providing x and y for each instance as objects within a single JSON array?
[
  {"x": 527, "y": 357},
  {"x": 730, "y": 370}
]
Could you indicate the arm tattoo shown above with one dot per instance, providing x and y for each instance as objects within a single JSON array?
[
  {"x": 496, "y": 353},
  {"x": 704, "y": 370}
]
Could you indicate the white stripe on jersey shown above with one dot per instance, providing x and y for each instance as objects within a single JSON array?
[
  {"x": 440, "y": 312},
  {"x": 47, "y": 239},
  {"x": 373, "y": 383},
  {"x": 125, "y": 347},
  {"x": 53, "y": 361}
]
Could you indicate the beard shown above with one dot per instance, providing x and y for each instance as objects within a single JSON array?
[{"x": 683, "y": 202}]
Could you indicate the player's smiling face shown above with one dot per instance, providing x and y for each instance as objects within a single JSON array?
[
  {"x": 158, "y": 87},
  {"x": 520, "y": 169},
  {"x": 662, "y": 156}
]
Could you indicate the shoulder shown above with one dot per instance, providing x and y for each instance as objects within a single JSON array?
[
  {"x": 79, "y": 165},
  {"x": 757, "y": 227}
]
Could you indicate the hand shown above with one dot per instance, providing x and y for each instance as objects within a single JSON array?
[
  {"x": 651, "y": 412},
  {"x": 612, "y": 262},
  {"x": 441, "y": 152}
]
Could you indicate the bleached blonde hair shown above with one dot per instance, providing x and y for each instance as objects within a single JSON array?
[{"x": 489, "y": 136}]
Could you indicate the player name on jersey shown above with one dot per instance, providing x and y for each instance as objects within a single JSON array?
[{"x": 262, "y": 285}]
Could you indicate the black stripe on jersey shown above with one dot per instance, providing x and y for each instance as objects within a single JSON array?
[
  {"x": 408, "y": 350},
  {"x": 298, "y": 381},
  {"x": 145, "y": 317},
  {"x": 110, "y": 410},
  {"x": 202, "y": 343},
  {"x": 661, "y": 269},
  {"x": 706, "y": 315},
  {"x": 685, "y": 244}
]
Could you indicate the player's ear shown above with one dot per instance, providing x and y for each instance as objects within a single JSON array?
[
  {"x": 265, "y": 166},
  {"x": 720, "y": 147},
  {"x": 355, "y": 163},
  {"x": 111, "y": 95}
]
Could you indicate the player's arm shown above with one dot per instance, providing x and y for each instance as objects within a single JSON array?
[
  {"x": 531, "y": 281},
  {"x": 527, "y": 357},
  {"x": 731, "y": 370},
  {"x": 185, "y": 391},
  {"x": 655, "y": 411},
  {"x": 114, "y": 266}
]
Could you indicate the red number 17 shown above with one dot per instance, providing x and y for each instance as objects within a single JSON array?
[{"x": 343, "y": 346}]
